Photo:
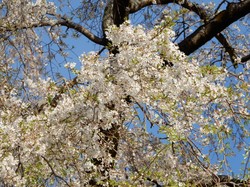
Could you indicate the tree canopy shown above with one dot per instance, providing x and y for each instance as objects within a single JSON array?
[{"x": 164, "y": 101}]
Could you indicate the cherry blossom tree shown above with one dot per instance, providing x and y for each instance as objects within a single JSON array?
[{"x": 178, "y": 67}]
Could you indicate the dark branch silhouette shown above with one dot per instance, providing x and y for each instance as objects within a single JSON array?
[
  {"x": 210, "y": 29},
  {"x": 218, "y": 23}
]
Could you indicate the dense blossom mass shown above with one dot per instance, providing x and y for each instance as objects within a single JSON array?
[{"x": 95, "y": 129}]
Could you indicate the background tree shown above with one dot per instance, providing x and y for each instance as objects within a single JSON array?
[{"x": 92, "y": 129}]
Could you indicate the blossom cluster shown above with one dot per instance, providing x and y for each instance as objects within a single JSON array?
[
  {"x": 24, "y": 12},
  {"x": 92, "y": 131}
]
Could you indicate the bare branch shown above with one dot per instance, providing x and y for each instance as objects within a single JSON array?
[
  {"x": 60, "y": 21},
  {"x": 82, "y": 30},
  {"x": 245, "y": 58},
  {"x": 53, "y": 171},
  {"x": 201, "y": 12},
  {"x": 229, "y": 49},
  {"x": 214, "y": 26}
]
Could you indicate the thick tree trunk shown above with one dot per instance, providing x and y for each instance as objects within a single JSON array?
[{"x": 115, "y": 13}]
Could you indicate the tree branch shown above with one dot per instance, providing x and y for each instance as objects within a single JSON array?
[
  {"x": 201, "y": 12},
  {"x": 60, "y": 21},
  {"x": 210, "y": 29},
  {"x": 245, "y": 58},
  {"x": 82, "y": 30},
  {"x": 229, "y": 49},
  {"x": 54, "y": 173},
  {"x": 214, "y": 26}
]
